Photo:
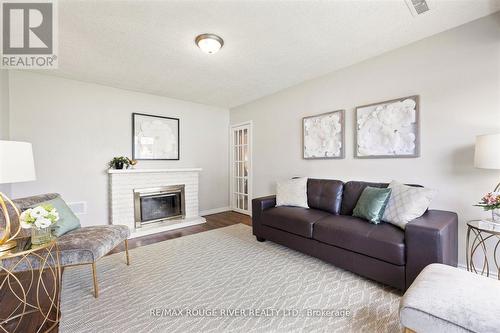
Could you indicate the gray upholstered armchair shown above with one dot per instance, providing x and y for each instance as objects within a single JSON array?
[{"x": 85, "y": 245}]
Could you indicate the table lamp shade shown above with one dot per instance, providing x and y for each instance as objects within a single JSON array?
[
  {"x": 487, "y": 153},
  {"x": 16, "y": 162}
]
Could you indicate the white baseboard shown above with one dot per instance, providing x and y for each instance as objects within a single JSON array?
[
  {"x": 493, "y": 274},
  {"x": 214, "y": 211}
]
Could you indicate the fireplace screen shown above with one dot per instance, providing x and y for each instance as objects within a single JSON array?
[{"x": 158, "y": 204}]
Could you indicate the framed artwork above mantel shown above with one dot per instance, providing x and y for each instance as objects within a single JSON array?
[{"x": 155, "y": 137}]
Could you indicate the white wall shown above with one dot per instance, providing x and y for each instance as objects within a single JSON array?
[
  {"x": 4, "y": 104},
  {"x": 456, "y": 74},
  {"x": 76, "y": 128},
  {"x": 4, "y": 114}
]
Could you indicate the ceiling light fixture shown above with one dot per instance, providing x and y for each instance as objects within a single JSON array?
[{"x": 209, "y": 43}]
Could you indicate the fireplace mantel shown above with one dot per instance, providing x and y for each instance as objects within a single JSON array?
[{"x": 154, "y": 170}]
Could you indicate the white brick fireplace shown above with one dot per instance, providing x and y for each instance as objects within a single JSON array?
[{"x": 123, "y": 183}]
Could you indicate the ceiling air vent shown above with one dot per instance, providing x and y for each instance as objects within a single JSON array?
[{"x": 417, "y": 7}]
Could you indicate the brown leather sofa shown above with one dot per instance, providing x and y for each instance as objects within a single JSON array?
[{"x": 327, "y": 230}]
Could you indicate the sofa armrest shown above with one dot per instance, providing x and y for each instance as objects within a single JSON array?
[
  {"x": 263, "y": 203},
  {"x": 258, "y": 206},
  {"x": 431, "y": 238}
]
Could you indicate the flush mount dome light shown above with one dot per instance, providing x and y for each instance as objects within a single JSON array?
[{"x": 209, "y": 43}]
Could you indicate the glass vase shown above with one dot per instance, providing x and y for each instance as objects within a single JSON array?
[
  {"x": 40, "y": 236},
  {"x": 495, "y": 215}
]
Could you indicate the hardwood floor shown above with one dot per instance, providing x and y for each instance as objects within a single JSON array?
[{"x": 213, "y": 222}]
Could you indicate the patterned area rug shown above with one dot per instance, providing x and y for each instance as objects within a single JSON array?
[{"x": 223, "y": 281}]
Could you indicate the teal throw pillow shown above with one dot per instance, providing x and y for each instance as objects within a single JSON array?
[
  {"x": 371, "y": 204},
  {"x": 68, "y": 221}
]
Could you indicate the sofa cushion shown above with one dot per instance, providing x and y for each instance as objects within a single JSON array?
[
  {"x": 325, "y": 194},
  {"x": 352, "y": 192},
  {"x": 383, "y": 241},
  {"x": 295, "y": 220},
  {"x": 448, "y": 299},
  {"x": 81, "y": 246},
  {"x": 86, "y": 245}
]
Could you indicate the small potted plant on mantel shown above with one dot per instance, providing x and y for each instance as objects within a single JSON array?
[{"x": 120, "y": 162}]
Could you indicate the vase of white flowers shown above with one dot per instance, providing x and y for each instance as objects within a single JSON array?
[{"x": 40, "y": 220}]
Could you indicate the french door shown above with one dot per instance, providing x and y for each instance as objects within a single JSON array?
[{"x": 241, "y": 168}]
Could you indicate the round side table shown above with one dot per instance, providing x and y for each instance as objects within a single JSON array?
[
  {"x": 30, "y": 278},
  {"x": 480, "y": 231}
]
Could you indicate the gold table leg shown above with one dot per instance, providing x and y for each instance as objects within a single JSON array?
[
  {"x": 96, "y": 286},
  {"x": 126, "y": 252}
]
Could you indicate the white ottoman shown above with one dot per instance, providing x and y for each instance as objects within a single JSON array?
[{"x": 446, "y": 299}]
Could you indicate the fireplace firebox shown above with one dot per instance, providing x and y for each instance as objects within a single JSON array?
[{"x": 153, "y": 205}]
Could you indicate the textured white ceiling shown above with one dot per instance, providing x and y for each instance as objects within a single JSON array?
[{"x": 149, "y": 46}]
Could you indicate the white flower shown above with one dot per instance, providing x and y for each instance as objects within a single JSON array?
[
  {"x": 25, "y": 214},
  {"x": 42, "y": 222},
  {"x": 55, "y": 214},
  {"x": 25, "y": 225},
  {"x": 39, "y": 212}
]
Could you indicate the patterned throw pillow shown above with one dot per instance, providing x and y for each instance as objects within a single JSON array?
[
  {"x": 406, "y": 203},
  {"x": 292, "y": 192}
]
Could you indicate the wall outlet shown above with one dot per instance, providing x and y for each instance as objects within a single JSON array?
[{"x": 79, "y": 208}]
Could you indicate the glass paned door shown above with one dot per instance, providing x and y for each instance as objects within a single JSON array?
[{"x": 240, "y": 168}]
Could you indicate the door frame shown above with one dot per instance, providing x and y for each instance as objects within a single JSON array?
[{"x": 232, "y": 184}]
